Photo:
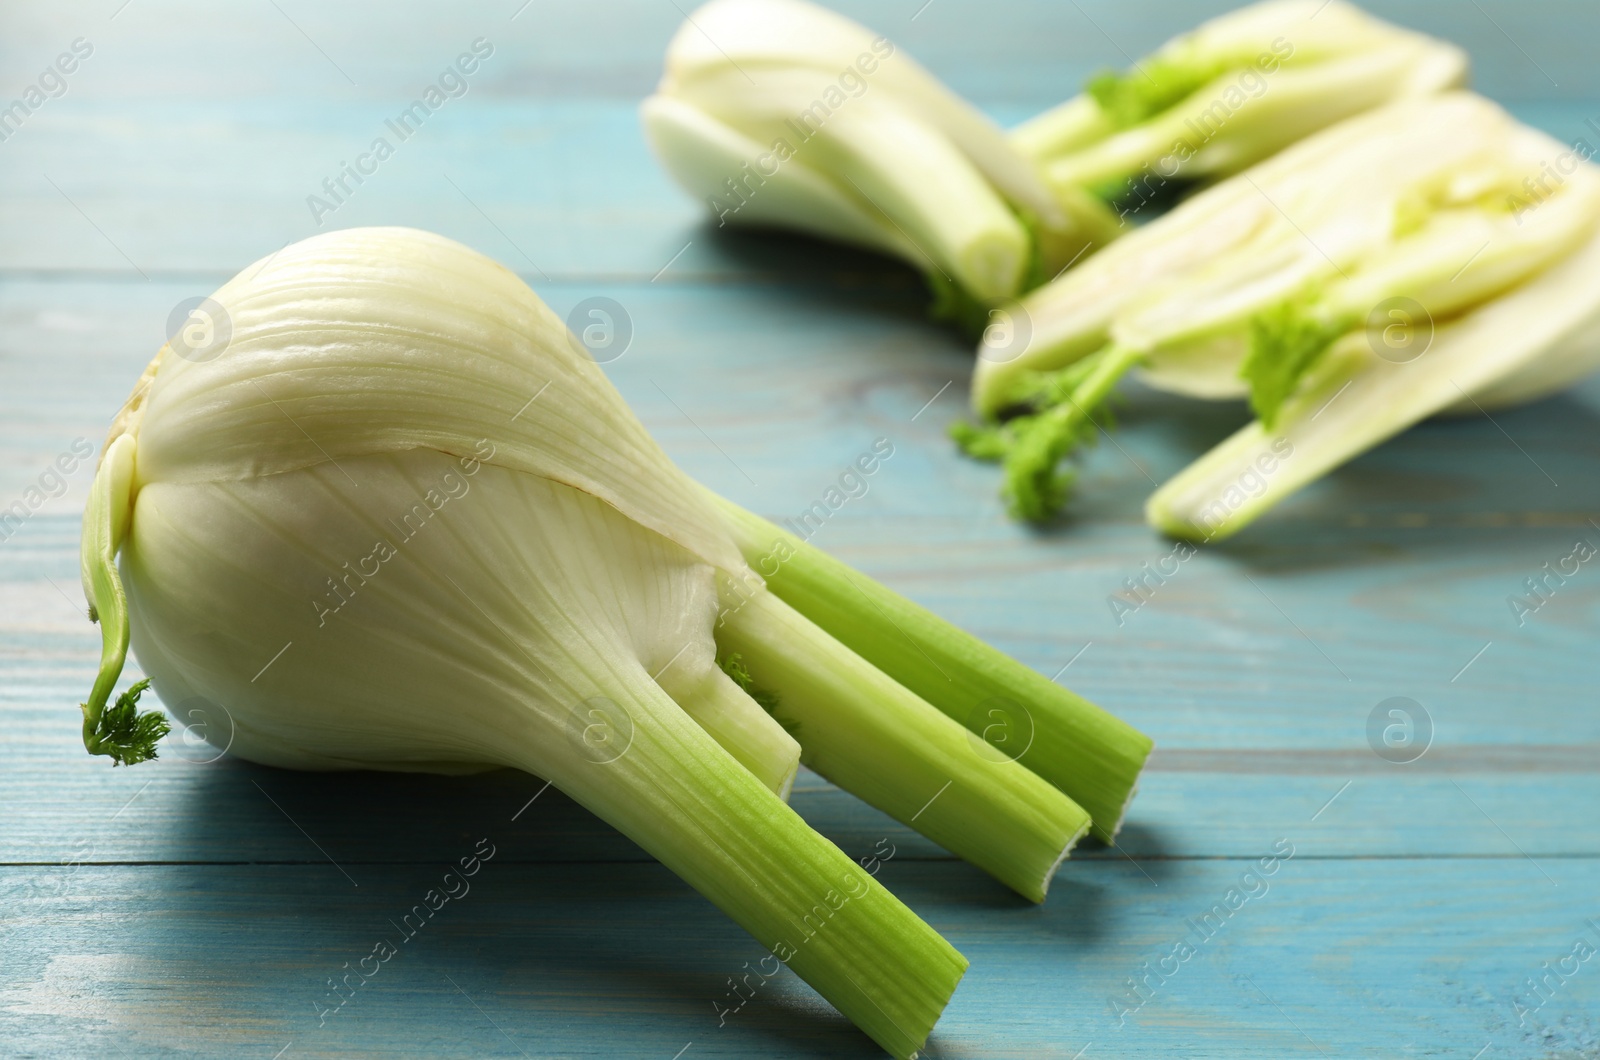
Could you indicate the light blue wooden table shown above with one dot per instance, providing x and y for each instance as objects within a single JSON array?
[{"x": 187, "y": 907}]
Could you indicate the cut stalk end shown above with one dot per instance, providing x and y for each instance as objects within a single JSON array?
[
  {"x": 880, "y": 742},
  {"x": 691, "y": 805},
  {"x": 1086, "y": 753}
]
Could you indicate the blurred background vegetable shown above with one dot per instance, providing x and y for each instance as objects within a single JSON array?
[
  {"x": 1414, "y": 216},
  {"x": 782, "y": 113},
  {"x": 1233, "y": 91}
]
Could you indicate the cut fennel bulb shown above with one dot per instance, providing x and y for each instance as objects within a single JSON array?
[
  {"x": 782, "y": 113},
  {"x": 1392, "y": 224},
  {"x": 1232, "y": 92},
  {"x": 404, "y": 522},
  {"x": 1536, "y": 339}
]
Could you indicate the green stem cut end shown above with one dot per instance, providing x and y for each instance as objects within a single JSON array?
[{"x": 1011, "y": 710}]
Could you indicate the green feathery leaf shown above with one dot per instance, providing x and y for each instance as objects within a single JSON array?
[
  {"x": 1037, "y": 483},
  {"x": 1030, "y": 398},
  {"x": 1285, "y": 342},
  {"x": 1056, "y": 418},
  {"x": 987, "y": 441},
  {"x": 124, "y": 734},
  {"x": 1151, "y": 87}
]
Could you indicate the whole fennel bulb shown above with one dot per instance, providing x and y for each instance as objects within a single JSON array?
[{"x": 404, "y": 522}]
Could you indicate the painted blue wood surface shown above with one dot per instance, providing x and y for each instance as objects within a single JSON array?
[{"x": 198, "y": 908}]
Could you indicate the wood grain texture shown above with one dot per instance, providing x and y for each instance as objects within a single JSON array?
[
  {"x": 188, "y": 907},
  {"x": 1342, "y": 957}
]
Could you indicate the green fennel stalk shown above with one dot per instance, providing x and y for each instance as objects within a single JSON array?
[{"x": 1083, "y": 751}]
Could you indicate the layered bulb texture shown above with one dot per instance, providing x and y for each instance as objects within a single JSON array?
[
  {"x": 1432, "y": 255},
  {"x": 402, "y": 521},
  {"x": 1232, "y": 92},
  {"x": 781, "y": 113}
]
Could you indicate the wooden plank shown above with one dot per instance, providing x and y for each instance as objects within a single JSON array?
[
  {"x": 560, "y": 188},
  {"x": 1037, "y": 51},
  {"x": 187, "y": 810},
  {"x": 624, "y": 960},
  {"x": 194, "y": 907}
]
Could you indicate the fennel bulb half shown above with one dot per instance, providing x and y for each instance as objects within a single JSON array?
[
  {"x": 782, "y": 113},
  {"x": 1412, "y": 220}
]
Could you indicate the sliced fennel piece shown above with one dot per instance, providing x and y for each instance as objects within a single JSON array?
[
  {"x": 1232, "y": 92},
  {"x": 1498, "y": 250},
  {"x": 1448, "y": 237},
  {"x": 1326, "y": 203},
  {"x": 787, "y": 84},
  {"x": 1356, "y": 399},
  {"x": 1085, "y": 752},
  {"x": 1424, "y": 209}
]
